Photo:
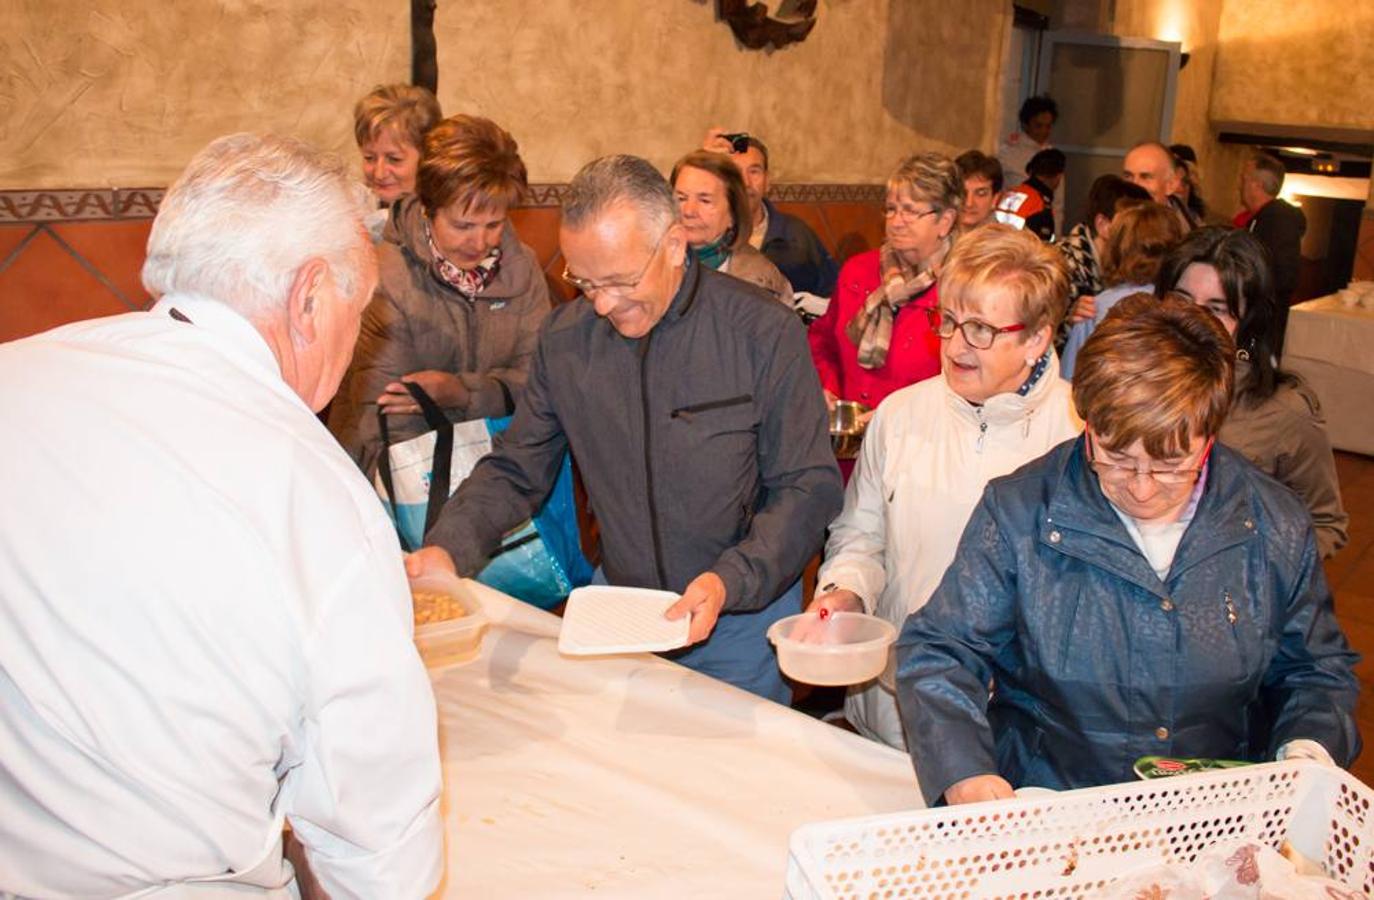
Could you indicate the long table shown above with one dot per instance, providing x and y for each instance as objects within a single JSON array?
[
  {"x": 1330, "y": 343},
  {"x": 632, "y": 776}
]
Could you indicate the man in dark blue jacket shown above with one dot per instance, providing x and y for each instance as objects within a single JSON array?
[{"x": 787, "y": 241}]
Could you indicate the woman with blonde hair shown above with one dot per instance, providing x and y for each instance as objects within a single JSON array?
[
  {"x": 932, "y": 446},
  {"x": 876, "y": 337},
  {"x": 389, "y": 125},
  {"x": 714, "y": 205},
  {"x": 1139, "y": 591},
  {"x": 460, "y": 298},
  {"x": 1141, "y": 235}
]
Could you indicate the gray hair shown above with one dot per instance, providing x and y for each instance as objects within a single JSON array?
[
  {"x": 1267, "y": 171},
  {"x": 612, "y": 180},
  {"x": 932, "y": 177},
  {"x": 247, "y": 213}
]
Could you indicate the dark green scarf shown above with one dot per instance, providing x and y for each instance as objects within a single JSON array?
[{"x": 715, "y": 254}]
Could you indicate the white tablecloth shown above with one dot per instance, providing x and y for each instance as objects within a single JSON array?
[
  {"x": 1331, "y": 345},
  {"x": 632, "y": 776}
]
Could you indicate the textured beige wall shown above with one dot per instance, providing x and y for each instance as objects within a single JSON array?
[
  {"x": 875, "y": 80},
  {"x": 1296, "y": 63},
  {"x": 121, "y": 92}
]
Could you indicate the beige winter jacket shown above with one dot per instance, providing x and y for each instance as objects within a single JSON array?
[
  {"x": 1285, "y": 437},
  {"x": 416, "y": 322},
  {"x": 748, "y": 264}
]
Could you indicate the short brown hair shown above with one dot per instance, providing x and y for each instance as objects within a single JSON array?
[
  {"x": 724, "y": 168},
  {"x": 470, "y": 162},
  {"x": 977, "y": 164},
  {"x": 1141, "y": 235},
  {"x": 408, "y": 109},
  {"x": 1158, "y": 371},
  {"x": 932, "y": 177},
  {"x": 999, "y": 256}
]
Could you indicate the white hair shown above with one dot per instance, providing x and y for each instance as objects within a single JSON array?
[{"x": 247, "y": 213}]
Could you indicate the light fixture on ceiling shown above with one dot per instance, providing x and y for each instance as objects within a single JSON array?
[{"x": 1326, "y": 165}]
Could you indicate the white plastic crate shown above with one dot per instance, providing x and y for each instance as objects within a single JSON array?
[{"x": 1074, "y": 843}]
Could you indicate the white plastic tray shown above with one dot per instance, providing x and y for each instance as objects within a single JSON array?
[
  {"x": 1075, "y": 843},
  {"x": 600, "y": 620}
]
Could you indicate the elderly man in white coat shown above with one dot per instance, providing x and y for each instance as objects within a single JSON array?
[
  {"x": 205, "y": 626},
  {"x": 932, "y": 447}
]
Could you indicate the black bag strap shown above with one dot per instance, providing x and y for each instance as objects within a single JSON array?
[{"x": 441, "y": 464}]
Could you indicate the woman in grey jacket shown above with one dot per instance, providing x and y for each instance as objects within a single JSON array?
[
  {"x": 460, "y": 298},
  {"x": 1139, "y": 591},
  {"x": 1276, "y": 421}
]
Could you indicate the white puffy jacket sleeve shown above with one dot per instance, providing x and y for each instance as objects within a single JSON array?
[{"x": 855, "y": 551}]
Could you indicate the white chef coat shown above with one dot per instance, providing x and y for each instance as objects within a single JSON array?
[
  {"x": 204, "y": 625},
  {"x": 926, "y": 457}
]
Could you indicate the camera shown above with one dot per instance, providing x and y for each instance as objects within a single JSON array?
[{"x": 739, "y": 142}]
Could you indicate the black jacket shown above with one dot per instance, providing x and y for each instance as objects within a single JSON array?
[
  {"x": 1279, "y": 226},
  {"x": 703, "y": 445}
]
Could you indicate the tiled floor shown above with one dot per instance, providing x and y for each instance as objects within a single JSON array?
[{"x": 1351, "y": 573}]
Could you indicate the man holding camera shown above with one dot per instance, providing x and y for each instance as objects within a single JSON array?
[{"x": 788, "y": 242}]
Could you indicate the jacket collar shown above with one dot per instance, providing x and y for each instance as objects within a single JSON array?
[
  {"x": 776, "y": 223},
  {"x": 1040, "y": 188},
  {"x": 1009, "y": 407},
  {"x": 685, "y": 298},
  {"x": 1081, "y": 523}
]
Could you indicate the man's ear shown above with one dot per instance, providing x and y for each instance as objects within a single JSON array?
[
  {"x": 675, "y": 241},
  {"x": 303, "y": 303}
]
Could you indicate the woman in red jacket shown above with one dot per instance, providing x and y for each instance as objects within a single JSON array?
[{"x": 876, "y": 337}]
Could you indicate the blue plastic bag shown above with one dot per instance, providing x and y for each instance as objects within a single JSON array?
[{"x": 539, "y": 562}]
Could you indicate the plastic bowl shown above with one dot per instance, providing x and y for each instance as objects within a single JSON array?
[
  {"x": 846, "y": 648},
  {"x": 450, "y": 642}
]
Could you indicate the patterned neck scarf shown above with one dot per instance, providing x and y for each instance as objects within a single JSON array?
[
  {"x": 715, "y": 254},
  {"x": 468, "y": 282},
  {"x": 1034, "y": 377},
  {"x": 871, "y": 328}
]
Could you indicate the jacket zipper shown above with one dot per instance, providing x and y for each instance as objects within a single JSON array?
[
  {"x": 689, "y": 411},
  {"x": 1233, "y": 617},
  {"x": 648, "y": 461}
]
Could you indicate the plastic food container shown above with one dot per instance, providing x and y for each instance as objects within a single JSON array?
[
  {"x": 450, "y": 642},
  {"x": 846, "y": 648}
]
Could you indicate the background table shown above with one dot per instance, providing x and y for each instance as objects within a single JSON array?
[
  {"x": 632, "y": 776},
  {"x": 1331, "y": 345}
]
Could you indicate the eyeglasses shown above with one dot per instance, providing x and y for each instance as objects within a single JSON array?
[
  {"x": 907, "y": 214},
  {"x": 1117, "y": 474},
  {"x": 979, "y": 335},
  {"x": 619, "y": 288}
]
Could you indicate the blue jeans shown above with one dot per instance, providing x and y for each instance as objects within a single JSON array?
[{"x": 738, "y": 652}]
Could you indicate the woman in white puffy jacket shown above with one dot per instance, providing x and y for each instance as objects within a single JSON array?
[{"x": 932, "y": 447}]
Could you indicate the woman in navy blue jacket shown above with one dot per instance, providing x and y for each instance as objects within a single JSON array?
[{"x": 1139, "y": 590}]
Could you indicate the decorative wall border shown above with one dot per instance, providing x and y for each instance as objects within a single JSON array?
[
  {"x": 97, "y": 204},
  {"x": 79, "y": 205}
]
